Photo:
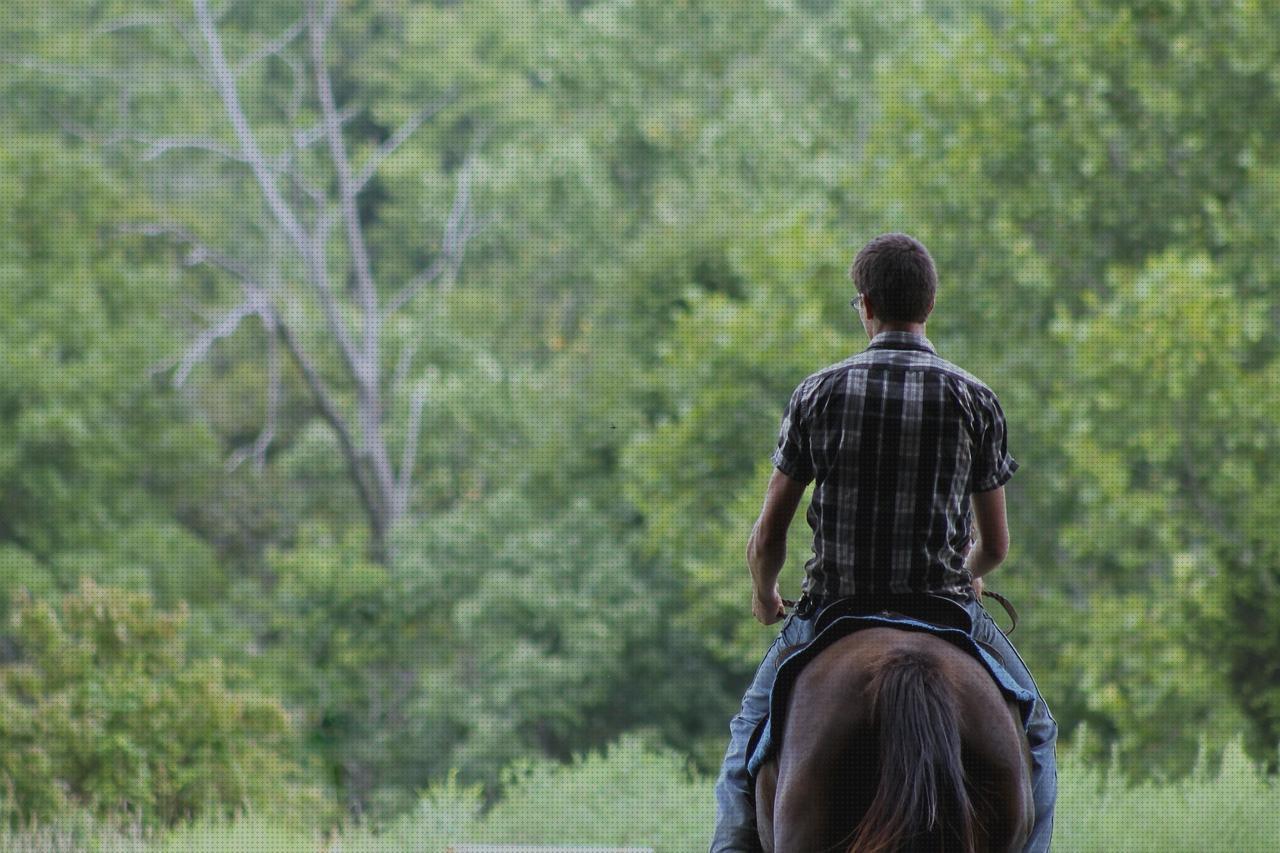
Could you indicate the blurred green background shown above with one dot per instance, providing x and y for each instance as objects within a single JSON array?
[{"x": 387, "y": 388}]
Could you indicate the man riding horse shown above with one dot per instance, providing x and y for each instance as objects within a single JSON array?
[{"x": 907, "y": 451}]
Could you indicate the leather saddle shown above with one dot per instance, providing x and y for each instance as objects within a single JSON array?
[{"x": 924, "y": 607}]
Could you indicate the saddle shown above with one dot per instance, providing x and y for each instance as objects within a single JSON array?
[{"x": 923, "y": 607}]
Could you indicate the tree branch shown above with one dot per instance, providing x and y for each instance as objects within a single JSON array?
[
  {"x": 311, "y": 250},
  {"x": 45, "y": 66},
  {"x": 409, "y": 453},
  {"x": 159, "y": 147},
  {"x": 459, "y": 228},
  {"x": 254, "y": 301},
  {"x": 257, "y": 302},
  {"x": 304, "y": 139},
  {"x": 331, "y": 414},
  {"x": 271, "y": 48},
  {"x": 225, "y": 84},
  {"x": 318, "y": 26},
  {"x": 403, "y": 363},
  {"x": 224, "y": 328},
  {"x": 402, "y": 134},
  {"x": 368, "y": 365},
  {"x": 87, "y": 134},
  {"x": 197, "y": 253},
  {"x": 317, "y": 196}
]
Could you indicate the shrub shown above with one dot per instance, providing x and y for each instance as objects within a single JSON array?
[{"x": 103, "y": 710}]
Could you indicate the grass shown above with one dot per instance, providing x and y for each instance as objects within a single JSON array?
[
  {"x": 637, "y": 798},
  {"x": 1235, "y": 809}
]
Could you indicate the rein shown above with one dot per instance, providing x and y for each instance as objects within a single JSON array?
[{"x": 1008, "y": 608}]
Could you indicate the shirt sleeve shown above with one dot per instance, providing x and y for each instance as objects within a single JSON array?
[
  {"x": 791, "y": 456},
  {"x": 992, "y": 464}
]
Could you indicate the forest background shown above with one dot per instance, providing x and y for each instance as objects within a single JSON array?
[{"x": 387, "y": 388}]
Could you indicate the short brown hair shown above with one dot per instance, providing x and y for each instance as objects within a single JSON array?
[{"x": 895, "y": 272}]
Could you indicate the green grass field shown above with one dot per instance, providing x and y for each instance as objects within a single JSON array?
[{"x": 637, "y": 798}]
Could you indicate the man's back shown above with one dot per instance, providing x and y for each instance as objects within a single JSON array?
[{"x": 895, "y": 439}]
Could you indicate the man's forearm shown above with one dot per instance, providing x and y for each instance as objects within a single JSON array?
[
  {"x": 765, "y": 560},
  {"x": 992, "y": 535}
]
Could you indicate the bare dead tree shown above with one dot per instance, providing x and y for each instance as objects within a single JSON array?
[{"x": 304, "y": 217}]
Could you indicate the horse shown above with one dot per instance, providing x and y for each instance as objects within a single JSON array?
[{"x": 896, "y": 741}]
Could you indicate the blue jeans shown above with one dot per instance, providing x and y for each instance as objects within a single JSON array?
[{"x": 735, "y": 810}]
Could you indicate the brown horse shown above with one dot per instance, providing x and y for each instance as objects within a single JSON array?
[{"x": 896, "y": 741}]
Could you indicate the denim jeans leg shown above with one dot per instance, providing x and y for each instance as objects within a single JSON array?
[
  {"x": 735, "y": 809},
  {"x": 1042, "y": 729}
]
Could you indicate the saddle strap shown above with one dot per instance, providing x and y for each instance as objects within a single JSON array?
[{"x": 1008, "y": 608}]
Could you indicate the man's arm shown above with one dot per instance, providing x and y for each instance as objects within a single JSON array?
[
  {"x": 767, "y": 547},
  {"x": 993, "y": 532}
]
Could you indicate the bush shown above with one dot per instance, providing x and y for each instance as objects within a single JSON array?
[
  {"x": 630, "y": 794},
  {"x": 103, "y": 710}
]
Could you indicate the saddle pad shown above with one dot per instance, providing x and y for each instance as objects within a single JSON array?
[{"x": 768, "y": 734}]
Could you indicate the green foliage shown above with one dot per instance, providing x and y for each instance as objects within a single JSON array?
[
  {"x": 673, "y": 193},
  {"x": 334, "y": 635},
  {"x": 634, "y": 795},
  {"x": 724, "y": 373},
  {"x": 627, "y": 795},
  {"x": 103, "y": 709},
  {"x": 548, "y": 640},
  {"x": 1173, "y": 437},
  {"x": 1152, "y": 701},
  {"x": 88, "y": 448}
]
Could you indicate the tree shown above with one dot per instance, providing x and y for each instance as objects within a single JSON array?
[
  {"x": 1172, "y": 437},
  {"x": 289, "y": 276}
]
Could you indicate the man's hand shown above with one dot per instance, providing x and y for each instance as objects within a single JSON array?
[
  {"x": 767, "y": 607},
  {"x": 977, "y": 588}
]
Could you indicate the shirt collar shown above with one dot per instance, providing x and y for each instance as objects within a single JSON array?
[{"x": 902, "y": 340}]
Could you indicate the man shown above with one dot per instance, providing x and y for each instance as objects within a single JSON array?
[{"x": 906, "y": 451}]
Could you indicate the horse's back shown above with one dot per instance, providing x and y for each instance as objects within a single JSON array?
[{"x": 828, "y": 771}]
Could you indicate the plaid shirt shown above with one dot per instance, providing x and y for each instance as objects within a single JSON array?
[{"x": 896, "y": 439}]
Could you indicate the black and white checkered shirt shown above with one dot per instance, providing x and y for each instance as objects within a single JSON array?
[{"x": 896, "y": 439}]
